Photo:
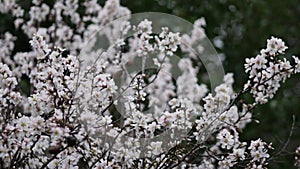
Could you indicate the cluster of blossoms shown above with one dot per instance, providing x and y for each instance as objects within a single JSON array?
[
  {"x": 267, "y": 70},
  {"x": 165, "y": 41},
  {"x": 297, "y": 157},
  {"x": 87, "y": 108}
]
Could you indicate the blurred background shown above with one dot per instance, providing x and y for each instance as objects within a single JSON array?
[{"x": 239, "y": 29}]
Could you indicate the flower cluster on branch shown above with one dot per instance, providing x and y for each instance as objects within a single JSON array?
[{"x": 96, "y": 112}]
